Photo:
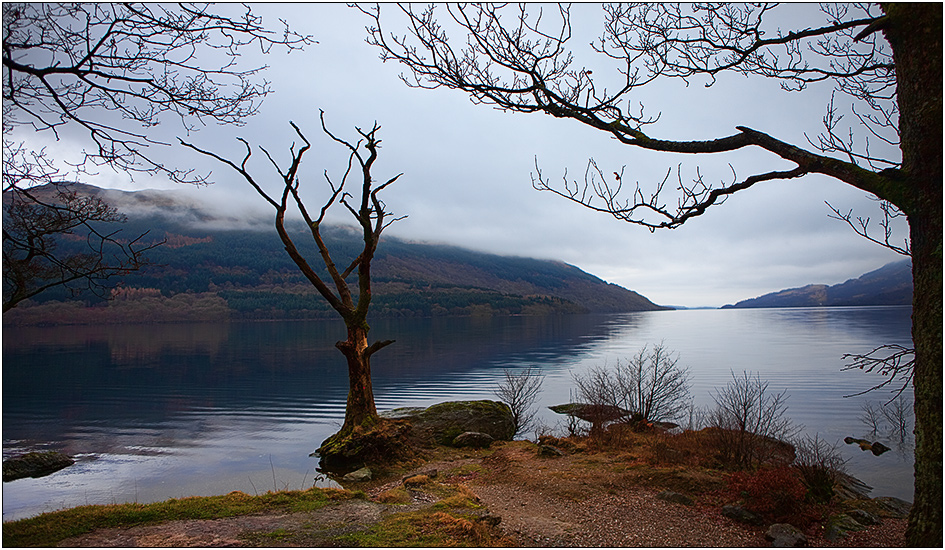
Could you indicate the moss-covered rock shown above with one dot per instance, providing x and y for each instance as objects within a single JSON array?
[
  {"x": 444, "y": 421},
  {"x": 840, "y": 525},
  {"x": 399, "y": 434},
  {"x": 383, "y": 442}
]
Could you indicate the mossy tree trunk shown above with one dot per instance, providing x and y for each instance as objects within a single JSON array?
[
  {"x": 915, "y": 33},
  {"x": 360, "y": 409}
]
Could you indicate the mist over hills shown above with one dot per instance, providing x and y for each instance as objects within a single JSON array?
[
  {"x": 229, "y": 263},
  {"x": 888, "y": 285}
]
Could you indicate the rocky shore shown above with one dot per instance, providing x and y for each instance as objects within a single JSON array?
[{"x": 464, "y": 483}]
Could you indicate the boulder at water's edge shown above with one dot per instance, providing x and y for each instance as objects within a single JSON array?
[
  {"x": 35, "y": 464},
  {"x": 445, "y": 421}
]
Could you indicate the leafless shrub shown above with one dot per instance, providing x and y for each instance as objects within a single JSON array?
[
  {"x": 650, "y": 386},
  {"x": 543, "y": 429},
  {"x": 694, "y": 418},
  {"x": 654, "y": 386},
  {"x": 598, "y": 395},
  {"x": 872, "y": 417},
  {"x": 519, "y": 390},
  {"x": 898, "y": 413},
  {"x": 892, "y": 420},
  {"x": 820, "y": 465},
  {"x": 750, "y": 422},
  {"x": 573, "y": 428}
]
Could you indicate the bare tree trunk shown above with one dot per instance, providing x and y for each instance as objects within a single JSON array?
[
  {"x": 360, "y": 409},
  {"x": 915, "y": 33}
]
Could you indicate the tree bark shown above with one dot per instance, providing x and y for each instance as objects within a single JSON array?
[
  {"x": 360, "y": 408},
  {"x": 915, "y": 34}
]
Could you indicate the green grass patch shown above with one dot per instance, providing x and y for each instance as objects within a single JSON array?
[
  {"x": 50, "y": 528},
  {"x": 424, "y": 528}
]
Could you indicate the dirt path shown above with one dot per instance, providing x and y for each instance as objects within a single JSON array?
[
  {"x": 575, "y": 500},
  {"x": 319, "y": 527}
]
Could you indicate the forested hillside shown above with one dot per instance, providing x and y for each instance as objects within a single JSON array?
[{"x": 207, "y": 271}]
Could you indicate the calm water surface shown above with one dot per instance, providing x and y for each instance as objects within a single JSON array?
[{"x": 164, "y": 411}]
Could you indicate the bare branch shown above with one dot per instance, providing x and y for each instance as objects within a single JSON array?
[
  {"x": 37, "y": 216},
  {"x": 890, "y": 360},
  {"x": 518, "y": 61},
  {"x": 72, "y": 64},
  {"x": 860, "y": 225}
]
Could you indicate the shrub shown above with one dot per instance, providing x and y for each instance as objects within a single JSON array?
[
  {"x": 749, "y": 423},
  {"x": 819, "y": 465},
  {"x": 650, "y": 386},
  {"x": 520, "y": 391},
  {"x": 776, "y": 494}
]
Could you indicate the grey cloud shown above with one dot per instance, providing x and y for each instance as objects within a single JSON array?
[{"x": 467, "y": 170}]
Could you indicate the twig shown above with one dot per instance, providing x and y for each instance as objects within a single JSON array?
[{"x": 302, "y": 485}]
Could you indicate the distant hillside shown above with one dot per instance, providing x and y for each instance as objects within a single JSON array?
[
  {"x": 888, "y": 285},
  {"x": 207, "y": 269}
]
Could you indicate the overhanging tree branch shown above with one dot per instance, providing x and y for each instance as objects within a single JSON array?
[{"x": 69, "y": 64}]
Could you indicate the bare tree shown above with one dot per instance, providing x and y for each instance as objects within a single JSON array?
[
  {"x": 372, "y": 217},
  {"x": 519, "y": 390},
  {"x": 886, "y": 60},
  {"x": 112, "y": 72},
  {"x": 650, "y": 386},
  {"x": 655, "y": 386},
  {"x": 751, "y": 426}
]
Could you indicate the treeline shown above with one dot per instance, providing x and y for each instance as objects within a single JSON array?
[
  {"x": 412, "y": 302},
  {"x": 180, "y": 308},
  {"x": 148, "y": 305}
]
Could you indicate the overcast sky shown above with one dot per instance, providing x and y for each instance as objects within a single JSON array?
[{"x": 467, "y": 168}]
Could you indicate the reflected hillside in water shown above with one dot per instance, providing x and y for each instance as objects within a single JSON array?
[
  {"x": 147, "y": 374},
  {"x": 164, "y": 411}
]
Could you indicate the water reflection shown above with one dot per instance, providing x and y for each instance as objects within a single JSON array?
[{"x": 161, "y": 411}]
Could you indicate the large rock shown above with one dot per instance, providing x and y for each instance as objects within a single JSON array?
[
  {"x": 784, "y": 535},
  {"x": 359, "y": 476},
  {"x": 550, "y": 451},
  {"x": 892, "y": 507},
  {"x": 840, "y": 525},
  {"x": 739, "y": 513},
  {"x": 851, "y": 488},
  {"x": 444, "y": 421},
  {"x": 36, "y": 464},
  {"x": 863, "y": 517}
]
